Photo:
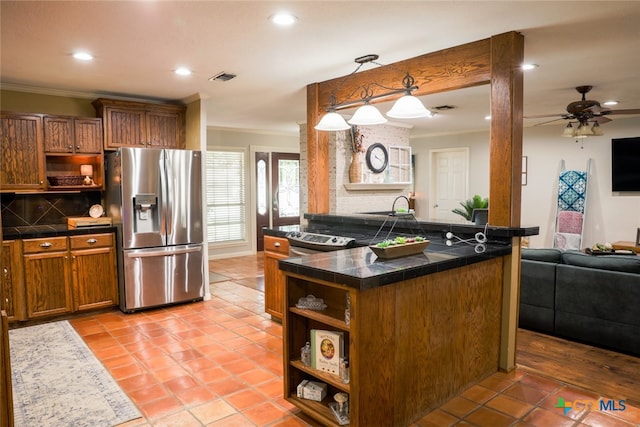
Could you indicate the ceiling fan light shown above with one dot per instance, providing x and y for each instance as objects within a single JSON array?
[
  {"x": 332, "y": 121},
  {"x": 408, "y": 107},
  {"x": 596, "y": 129},
  {"x": 584, "y": 130},
  {"x": 367, "y": 115},
  {"x": 569, "y": 131}
]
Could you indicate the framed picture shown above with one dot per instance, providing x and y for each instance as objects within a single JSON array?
[{"x": 638, "y": 238}]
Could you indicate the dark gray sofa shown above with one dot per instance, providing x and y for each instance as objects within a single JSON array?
[{"x": 593, "y": 299}]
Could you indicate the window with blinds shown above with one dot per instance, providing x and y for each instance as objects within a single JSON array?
[{"x": 226, "y": 201}]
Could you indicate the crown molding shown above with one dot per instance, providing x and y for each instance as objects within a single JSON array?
[{"x": 92, "y": 95}]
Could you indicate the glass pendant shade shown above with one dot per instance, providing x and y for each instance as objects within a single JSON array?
[
  {"x": 568, "y": 131},
  {"x": 584, "y": 130},
  {"x": 596, "y": 129},
  {"x": 367, "y": 115},
  {"x": 408, "y": 107},
  {"x": 332, "y": 121}
]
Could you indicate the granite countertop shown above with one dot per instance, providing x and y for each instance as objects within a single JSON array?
[
  {"x": 360, "y": 268},
  {"x": 53, "y": 230}
]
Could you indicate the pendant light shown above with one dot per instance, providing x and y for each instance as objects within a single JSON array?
[
  {"x": 332, "y": 122},
  {"x": 367, "y": 115},
  {"x": 407, "y": 107}
]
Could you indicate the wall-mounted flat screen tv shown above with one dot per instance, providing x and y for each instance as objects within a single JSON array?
[{"x": 625, "y": 164}]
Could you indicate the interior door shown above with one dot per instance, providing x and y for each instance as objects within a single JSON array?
[{"x": 449, "y": 182}]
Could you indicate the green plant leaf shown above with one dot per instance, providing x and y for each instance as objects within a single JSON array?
[{"x": 476, "y": 202}]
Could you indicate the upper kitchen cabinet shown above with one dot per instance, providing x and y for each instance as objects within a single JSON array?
[
  {"x": 72, "y": 135},
  {"x": 22, "y": 154},
  {"x": 137, "y": 124}
]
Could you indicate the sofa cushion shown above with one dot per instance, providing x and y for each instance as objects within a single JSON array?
[
  {"x": 598, "y": 294},
  {"x": 538, "y": 283},
  {"x": 543, "y": 254},
  {"x": 621, "y": 263}
]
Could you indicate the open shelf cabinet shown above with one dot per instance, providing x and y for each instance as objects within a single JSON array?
[{"x": 299, "y": 323}]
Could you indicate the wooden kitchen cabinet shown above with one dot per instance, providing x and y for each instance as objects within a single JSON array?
[
  {"x": 94, "y": 273},
  {"x": 12, "y": 284},
  {"x": 69, "y": 274},
  {"x": 72, "y": 135},
  {"x": 6, "y": 390},
  {"x": 275, "y": 249},
  {"x": 47, "y": 276},
  {"x": 138, "y": 124},
  {"x": 22, "y": 153}
]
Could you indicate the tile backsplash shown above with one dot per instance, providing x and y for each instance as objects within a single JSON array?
[{"x": 44, "y": 209}]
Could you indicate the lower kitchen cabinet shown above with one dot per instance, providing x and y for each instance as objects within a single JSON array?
[
  {"x": 12, "y": 290},
  {"x": 69, "y": 274},
  {"x": 46, "y": 274},
  {"x": 94, "y": 273},
  {"x": 275, "y": 249}
]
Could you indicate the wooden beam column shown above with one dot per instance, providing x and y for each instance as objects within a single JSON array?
[
  {"x": 317, "y": 156},
  {"x": 505, "y": 173}
]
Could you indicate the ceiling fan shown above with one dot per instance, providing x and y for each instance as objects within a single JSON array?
[{"x": 585, "y": 111}]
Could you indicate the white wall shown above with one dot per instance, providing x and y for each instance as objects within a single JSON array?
[
  {"x": 609, "y": 217},
  {"x": 250, "y": 142}
]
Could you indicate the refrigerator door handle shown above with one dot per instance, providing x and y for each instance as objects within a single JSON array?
[{"x": 163, "y": 252}]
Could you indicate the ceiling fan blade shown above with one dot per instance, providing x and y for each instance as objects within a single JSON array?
[
  {"x": 601, "y": 120},
  {"x": 549, "y": 121},
  {"x": 545, "y": 115},
  {"x": 631, "y": 111}
]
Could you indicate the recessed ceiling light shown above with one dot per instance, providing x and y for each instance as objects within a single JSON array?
[
  {"x": 83, "y": 56},
  {"x": 610, "y": 103},
  {"x": 527, "y": 67},
  {"x": 487, "y": 117},
  {"x": 283, "y": 19},
  {"x": 183, "y": 71}
]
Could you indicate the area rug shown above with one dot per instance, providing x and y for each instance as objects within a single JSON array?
[{"x": 57, "y": 381}]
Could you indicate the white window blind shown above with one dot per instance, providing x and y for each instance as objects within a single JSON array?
[{"x": 226, "y": 201}]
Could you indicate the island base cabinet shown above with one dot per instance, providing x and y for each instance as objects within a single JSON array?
[
  {"x": 411, "y": 345},
  {"x": 275, "y": 249}
]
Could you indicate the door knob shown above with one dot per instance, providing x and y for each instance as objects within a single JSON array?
[{"x": 435, "y": 206}]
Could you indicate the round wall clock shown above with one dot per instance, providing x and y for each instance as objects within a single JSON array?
[{"x": 377, "y": 157}]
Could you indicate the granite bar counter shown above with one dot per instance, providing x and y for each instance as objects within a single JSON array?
[{"x": 420, "y": 329}]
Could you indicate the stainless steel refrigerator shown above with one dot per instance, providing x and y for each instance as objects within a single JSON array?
[{"x": 155, "y": 199}]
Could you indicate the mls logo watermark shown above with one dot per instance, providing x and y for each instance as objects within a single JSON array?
[{"x": 603, "y": 405}]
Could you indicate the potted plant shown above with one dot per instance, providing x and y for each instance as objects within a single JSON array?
[{"x": 476, "y": 202}]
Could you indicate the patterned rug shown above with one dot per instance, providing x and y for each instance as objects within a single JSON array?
[{"x": 57, "y": 381}]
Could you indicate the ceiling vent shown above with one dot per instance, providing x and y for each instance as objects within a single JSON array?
[{"x": 222, "y": 77}]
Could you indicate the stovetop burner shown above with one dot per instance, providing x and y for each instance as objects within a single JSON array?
[{"x": 326, "y": 242}]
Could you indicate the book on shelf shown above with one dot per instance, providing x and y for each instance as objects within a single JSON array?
[{"x": 327, "y": 348}]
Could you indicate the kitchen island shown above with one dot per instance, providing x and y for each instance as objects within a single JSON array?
[{"x": 420, "y": 329}]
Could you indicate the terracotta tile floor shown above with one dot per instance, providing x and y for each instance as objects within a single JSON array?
[{"x": 219, "y": 363}]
